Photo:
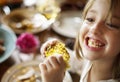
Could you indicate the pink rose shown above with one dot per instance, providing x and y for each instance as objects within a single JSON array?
[{"x": 27, "y": 43}]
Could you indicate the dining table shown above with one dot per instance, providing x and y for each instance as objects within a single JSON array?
[{"x": 43, "y": 37}]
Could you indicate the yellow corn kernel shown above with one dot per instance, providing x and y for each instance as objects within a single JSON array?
[{"x": 59, "y": 48}]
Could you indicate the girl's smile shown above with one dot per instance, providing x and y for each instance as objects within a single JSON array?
[{"x": 94, "y": 44}]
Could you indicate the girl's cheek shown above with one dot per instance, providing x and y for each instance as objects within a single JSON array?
[
  {"x": 83, "y": 31},
  {"x": 84, "y": 28}
]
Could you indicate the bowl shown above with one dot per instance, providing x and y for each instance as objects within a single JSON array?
[{"x": 9, "y": 38}]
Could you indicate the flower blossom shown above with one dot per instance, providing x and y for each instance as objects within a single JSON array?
[{"x": 27, "y": 43}]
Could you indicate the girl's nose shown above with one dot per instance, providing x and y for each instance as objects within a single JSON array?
[{"x": 96, "y": 29}]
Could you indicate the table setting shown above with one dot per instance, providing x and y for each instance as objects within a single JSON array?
[
  {"x": 26, "y": 20},
  {"x": 25, "y": 29}
]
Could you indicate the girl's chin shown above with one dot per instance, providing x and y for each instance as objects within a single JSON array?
[{"x": 91, "y": 56}]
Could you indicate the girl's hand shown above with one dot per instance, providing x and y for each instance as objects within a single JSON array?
[{"x": 53, "y": 69}]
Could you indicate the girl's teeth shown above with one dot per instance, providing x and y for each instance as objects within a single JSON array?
[{"x": 94, "y": 43}]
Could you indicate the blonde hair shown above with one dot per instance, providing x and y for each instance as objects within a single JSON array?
[{"x": 77, "y": 47}]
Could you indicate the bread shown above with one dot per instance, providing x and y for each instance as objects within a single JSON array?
[{"x": 54, "y": 47}]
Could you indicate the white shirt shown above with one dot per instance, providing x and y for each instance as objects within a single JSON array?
[{"x": 84, "y": 75}]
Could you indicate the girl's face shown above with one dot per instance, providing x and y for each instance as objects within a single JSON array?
[{"x": 100, "y": 33}]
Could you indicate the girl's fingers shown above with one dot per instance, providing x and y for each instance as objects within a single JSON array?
[
  {"x": 57, "y": 61},
  {"x": 48, "y": 64},
  {"x": 54, "y": 62},
  {"x": 61, "y": 61},
  {"x": 42, "y": 67},
  {"x": 60, "y": 58}
]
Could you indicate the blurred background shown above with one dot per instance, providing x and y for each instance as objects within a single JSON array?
[
  {"x": 30, "y": 23},
  {"x": 65, "y": 4}
]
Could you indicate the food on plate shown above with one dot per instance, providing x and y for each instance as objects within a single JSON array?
[
  {"x": 2, "y": 48},
  {"x": 29, "y": 76},
  {"x": 54, "y": 47},
  {"x": 25, "y": 23}
]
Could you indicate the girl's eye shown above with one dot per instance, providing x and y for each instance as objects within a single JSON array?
[
  {"x": 112, "y": 26},
  {"x": 90, "y": 19}
]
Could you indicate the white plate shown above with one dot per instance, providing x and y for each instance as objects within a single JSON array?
[
  {"x": 26, "y": 20},
  {"x": 68, "y": 23},
  {"x": 16, "y": 70}
]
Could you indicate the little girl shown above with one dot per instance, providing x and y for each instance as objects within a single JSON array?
[{"x": 97, "y": 45}]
